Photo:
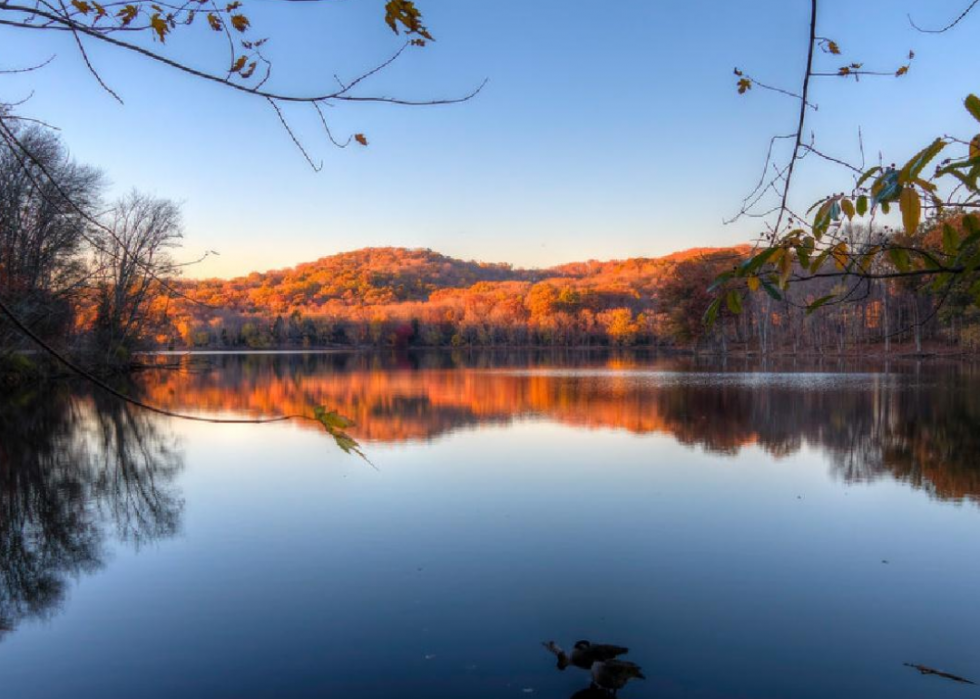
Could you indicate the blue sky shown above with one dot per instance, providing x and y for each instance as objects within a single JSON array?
[{"x": 605, "y": 131}]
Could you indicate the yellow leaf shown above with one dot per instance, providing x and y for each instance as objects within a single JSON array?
[
  {"x": 240, "y": 22},
  {"x": 743, "y": 85},
  {"x": 847, "y": 206},
  {"x": 785, "y": 267},
  {"x": 405, "y": 13},
  {"x": 81, "y": 6},
  {"x": 360, "y": 138},
  {"x": 901, "y": 71},
  {"x": 160, "y": 26},
  {"x": 127, "y": 14},
  {"x": 911, "y": 208},
  {"x": 839, "y": 253},
  {"x": 868, "y": 258},
  {"x": 753, "y": 283},
  {"x": 238, "y": 64},
  {"x": 214, "y": 21},
  {"x": 972, "y": 104},
  {"x": 833, "y": 47}
]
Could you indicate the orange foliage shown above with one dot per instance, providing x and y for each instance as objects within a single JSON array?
[{"x": 397, "y": 296}]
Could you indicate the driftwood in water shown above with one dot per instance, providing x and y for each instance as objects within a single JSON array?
[{"x": 939, "y": 673}]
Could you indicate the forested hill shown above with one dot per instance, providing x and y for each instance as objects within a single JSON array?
[
  {"x": 370, "y": 276},
  {"x": 390, "y": 275},
  {"x": 402, "y": 297}
]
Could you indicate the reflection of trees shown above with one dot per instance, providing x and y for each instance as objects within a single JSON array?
[
  {"x": 72, "y": 469},
  {"x": 923, "y": 434},
  {"x": 916, "y": 428}
]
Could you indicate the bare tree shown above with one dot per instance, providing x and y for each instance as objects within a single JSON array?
[
  {"x": 130, "y": 262},
  {"x": 42, "y": 240}
]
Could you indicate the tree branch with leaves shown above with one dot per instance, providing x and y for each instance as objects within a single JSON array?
[{"x": 939, "y": 236}]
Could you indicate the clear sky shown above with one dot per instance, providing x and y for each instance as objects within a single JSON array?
[{"x": 606, "y": 130}]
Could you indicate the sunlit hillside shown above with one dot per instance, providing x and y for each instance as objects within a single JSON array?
[{"x": 400, "y": 296}]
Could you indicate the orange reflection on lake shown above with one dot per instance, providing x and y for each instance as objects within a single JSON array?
[{"x": 869, "y": 424}]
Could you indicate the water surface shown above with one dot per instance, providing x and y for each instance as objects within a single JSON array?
[{"x": 748, "y": 531}]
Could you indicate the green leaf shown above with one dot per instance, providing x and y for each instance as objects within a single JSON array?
[
  {"x": 734, "y": 302},
  {"x": 968, "y": 241},
  {"x": 335, "y": 424},
  {"x": 331, "y": 419},
  {"x": 900, "y": 258},
  {"x": 972, "y": 224},
  {"x": 785, "y": 269},
  {"x": 970, "y": 162},
  {"x": 711, "y": 314},
  {"x": 803, "y": 252},
  {"x": 919, "y": 161},
  {"x": 972, "y": 103},
  {"x": 868, "y": 175},
  {"x": 818, "y": 263},
  {"x": 861, "y": 207},
  {"x": 753, "y": 264},
  {"x": 821, "y": 222},
  {"x": 864, "y": 263},
  {"x": 966, "y": 181},
  {"x": 771, "y": 290},
  {"x": 941, "y": 281},
  {"x": 911, "y": 207},
  {"x": 818, "y": 303},
  {"x": 820, "y": 202},
  {"x": 720, "y": 280},
  {"x": 950, "y": 239}
]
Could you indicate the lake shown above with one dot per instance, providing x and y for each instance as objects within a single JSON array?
[{"x": 747, "y": 530}]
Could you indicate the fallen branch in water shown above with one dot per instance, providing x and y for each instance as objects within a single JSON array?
[{"x": 939, "y": 673}]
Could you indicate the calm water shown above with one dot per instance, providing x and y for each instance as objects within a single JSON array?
[{"x": 774, "y": 533}]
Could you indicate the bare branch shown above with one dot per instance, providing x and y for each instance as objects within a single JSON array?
[{"x": 949, "y": 26}]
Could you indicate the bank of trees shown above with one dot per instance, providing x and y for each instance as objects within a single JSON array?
[
  {"x": 97, "y": 278},
  {"x": 392, "y": 297},
  {"x": 83, "y": 273}
]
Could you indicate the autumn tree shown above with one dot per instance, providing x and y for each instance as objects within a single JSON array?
[
  {"x": 42, "y": 239},
  {"x": 130, "y": 264},
  {"x": 141, "y": 29},
  {"x": 935, "y": 181}
]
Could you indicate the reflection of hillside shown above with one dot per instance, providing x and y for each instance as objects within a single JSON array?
[
  {"x": 869, "y": 426},
  {"x": 400, "y": 404}
]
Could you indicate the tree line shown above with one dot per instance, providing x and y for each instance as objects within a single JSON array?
[
  {"x": 417, "y": 298},
  {"x": 82, "y": 272},
  {"x": 98, "y": 279}
]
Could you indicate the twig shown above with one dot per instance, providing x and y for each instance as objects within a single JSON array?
[
  {"x": 949, "y": 26},
  {"x": 925, "y": 670}
]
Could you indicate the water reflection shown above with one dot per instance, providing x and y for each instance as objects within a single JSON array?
[
  {"x": 75, "y": 470},
  {"x": 909, "y": 423},
  {"x": 305, "y": 576}
]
